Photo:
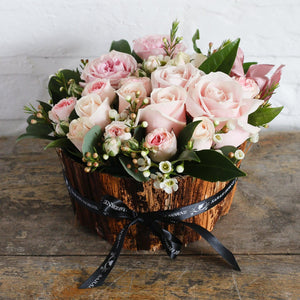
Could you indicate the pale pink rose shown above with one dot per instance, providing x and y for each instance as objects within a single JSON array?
[
  {"x": 62, "y": 110},
  {"x": 166, "y": 110},
  {"x": 171, "y": 93},
  {"x": 203, "y": 134},
  {"x": 77, "y": 130},
  {"x": 144, "y": 80},
  {"x": 101, "y": 87},
  {"x": 130, "y": 88},
  {"x": 249, "y": 86},
  {"x": 238, "y": 135},
  {"x": 174, "y": 75},
  {"x": 153, "y": 45},
  {"x": 219, "y": 97},
  {"x": 163, "y": 142},
  {"x": 113, "y": 66},
  {"x": 181, "y": 58},
  {"x": 117, "y": 129},
  {"x": 94, "y": 108}
]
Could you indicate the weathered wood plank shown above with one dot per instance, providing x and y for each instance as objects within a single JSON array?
[
  {"x": 36, "y": 214},
  {"x": 147, "y": 277}
]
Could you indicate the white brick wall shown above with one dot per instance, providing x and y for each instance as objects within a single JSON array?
[{"x": 39, "y": 37}]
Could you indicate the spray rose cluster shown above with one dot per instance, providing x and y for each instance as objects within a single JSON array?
[{"x": 153, "y": 110}]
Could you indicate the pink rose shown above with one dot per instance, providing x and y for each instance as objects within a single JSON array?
[
  {"x": 129, "y": 88},
  {"x": 117, "y": 129},
  {"x": 220, "y": 97},
  {"x": 153, "y": 45},
  {"x": 174, "y": 75},
  {"x": 249, "y": 86},
  {"x": 167, "y": 110},
  {"x": 202, "y": 137},
  {"x": 101, "y": 87},
  {"x": 92, "y": 107},
  {"x": 113, "y": 66},
  {"x": 62, "y": 110},
  {"x": 257, "y": 72},
  {"x": 144, "y": 80},
  {"x": 77, "y": 130},
  {"x": 171, "y": 93},
  {"x": 163, "y": 143},
  {"x": 241, "y": 132}
]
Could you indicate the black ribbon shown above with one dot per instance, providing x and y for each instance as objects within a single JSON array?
[{"x": 113, "y": 207}]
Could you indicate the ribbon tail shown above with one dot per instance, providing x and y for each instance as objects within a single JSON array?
[
  {"x": 99, "y": 276},
  {"x": 215, "y": 243},
  {"x": 170, "y": 242}
]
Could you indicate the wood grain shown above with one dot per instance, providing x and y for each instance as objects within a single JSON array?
[
  {"x": 147, "y": 277},
  {"x": 45, "y": 254}
]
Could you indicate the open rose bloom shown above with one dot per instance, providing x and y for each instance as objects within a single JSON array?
[{"x": 151, "y": 112}]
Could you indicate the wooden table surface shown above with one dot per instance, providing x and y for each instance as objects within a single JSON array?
[{"x": 44, "y": 254}]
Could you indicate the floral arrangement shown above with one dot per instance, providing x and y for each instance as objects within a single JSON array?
[{"x": 157, "y": 112}]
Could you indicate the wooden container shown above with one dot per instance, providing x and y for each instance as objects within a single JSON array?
[{"x": 142, "y": 197}]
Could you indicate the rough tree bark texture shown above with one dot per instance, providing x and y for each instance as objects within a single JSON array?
[{"x": 142, "y": 197}]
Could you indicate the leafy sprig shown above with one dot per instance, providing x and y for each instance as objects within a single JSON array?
[{"x": 170, "y": 45}]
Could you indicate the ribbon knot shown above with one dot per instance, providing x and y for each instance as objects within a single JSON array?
[{"x": 116, "y": 208}]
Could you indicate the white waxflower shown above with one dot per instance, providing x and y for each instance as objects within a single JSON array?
[
  {"x": 165, "y": 167},
  {"x": 158, "y": 179},
  {"x": 144, "y": 163},
  {"x": 169, "y": 185},
  {"x": 239, "y": 154}
]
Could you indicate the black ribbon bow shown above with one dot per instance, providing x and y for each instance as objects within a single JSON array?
[{"x": 113, "y": 207}]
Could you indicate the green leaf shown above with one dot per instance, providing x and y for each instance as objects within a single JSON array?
[
  {"x": 187, "y": 155},
  {"x": 186, "y": 134},
  {"x": 121, "y": 46},
  {"x": 247, "y": 65},
  {"x": 139, "y": 133},
  {"x": 91, "y": 139},
  {"x": 59, "y": 143},
  {"x": 227, "y": 149},
  {"x": 39, "y": 129},
  {"x": 73, "y": 115},
  {"x": 137, "y": 58},
  {"x": 54, "y": 86},
  {"x": 221, "y": 60},
  {"x": 133, "y": 172},
  {"x": 34, "y": 136},
  {"x": 263, "y": 115},
  {"x": 196, "y": 37},
  {"x": 46, "y": 107},
  {"x": 213, "y": 166}
]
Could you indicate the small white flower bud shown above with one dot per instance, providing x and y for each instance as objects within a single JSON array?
[
  {"x": 179, "y": 169},
  {"x": 146, "y": 173},
  {"x": 216, "y": 123},
  {"x": 144, "y": 153},
  {"x": 230, "y": 125},
  {"x": 217, "y": 138},
  {"x": 239, "y": 154},
  {"x": 105, "y": 157},
  {"x": 128, "y": 98},
  {"x": 144, "y": 124},
  {"x": 254, "y": 138},
  {"x": 146, "y": 101},
  {"x": 113, "y": 114}
]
